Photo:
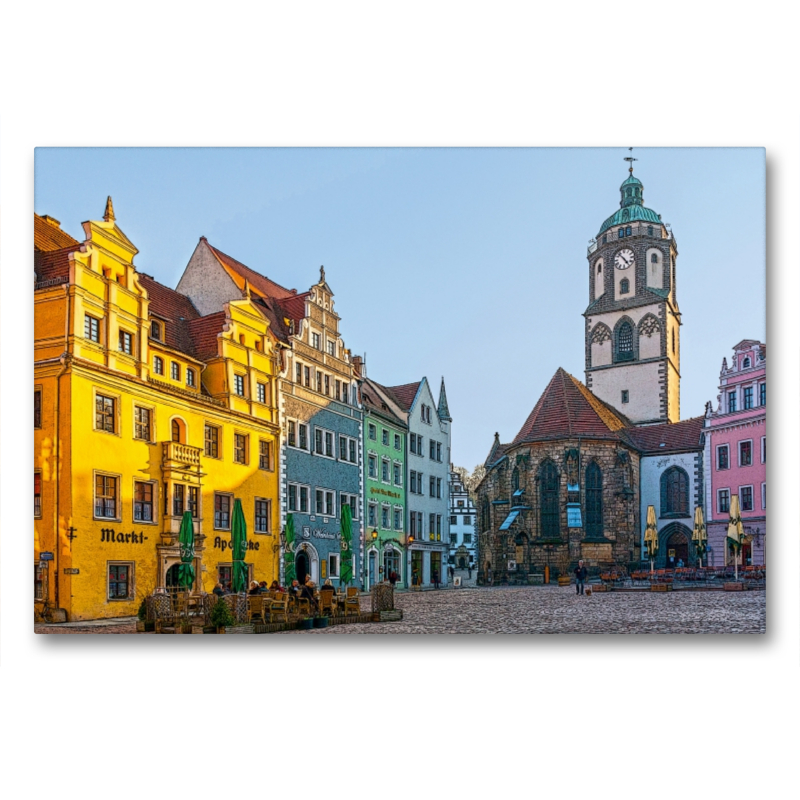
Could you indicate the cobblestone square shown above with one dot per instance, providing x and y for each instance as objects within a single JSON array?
[{"x": 550, "y": 609}]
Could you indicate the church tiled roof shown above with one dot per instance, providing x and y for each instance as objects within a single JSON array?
[
  {"x": 405, "y": 394},
  {"x": 568, "y": 409},
  {"x": 668, "y": 437},
  {"x": 260, "y": 283}
]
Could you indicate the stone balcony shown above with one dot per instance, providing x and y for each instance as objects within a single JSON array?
[{"x": 178, "y": 454}]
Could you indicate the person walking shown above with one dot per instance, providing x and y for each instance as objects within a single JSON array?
[
  {"x": 435, "y": 578},
  {"x": 580, "y": 577}
]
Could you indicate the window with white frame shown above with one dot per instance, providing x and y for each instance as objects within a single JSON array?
[
  {"x": 307, "y": 377},
  {"x": 175, "y": 370},
  {"x": 315, "y": 341},
  {"x": 764, "y": 496},
  {"x": 372, "y": 432},
  {"x": 385, "y": 466},
  {"x": 732, "y": 401},
  {"x": 319, "y": 381},
  {"x": 323, "y": 503},
  {"x": 298, "y": 373},
  {"x": 763, "y": 449},
  {"x": 323, "y": 442},
  {"x": 337, "y": 390},
  {"x": 190, "y": 377},
  {"x": 372, "y": 514},
  {"x": 144, "y": 501},
  {"x": 91, "y": 328},
  {"x": 297, "y": 497},
  {"x": 348, "y": 449},
  {"x": 331, "y": 347},
  {"x": 762, "y": 394},
  {"x": 126, "y": 342},
  {"x": 398, "y": 474},
  {"x": 238, "y": 385},
  {"x": 723, "y": 457},
  {"x": 746, "y": 498},
  {"x": 158, "y": 365},
  {"x": 746, "y": 453},
  {"x": 333, "y": 565},
  {"x": 261, "y": 392},
  {"x": 262, "y": 515},
  {"x": 385, "y": 522},
  {"x": 384, "y": 437},
  {"x": 723, "y": 501},
  {"x": 349, "y": 500},
  {"x": 397, "y": 442},
  {"x": 398, "y": 518},
  {"x": 372, "y": 466},
  {"x": 747, "y": 398}
]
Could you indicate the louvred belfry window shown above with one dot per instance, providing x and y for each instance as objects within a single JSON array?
[
  {"x": 625, "y": 342},
  {"x": 548, "y": 488}
]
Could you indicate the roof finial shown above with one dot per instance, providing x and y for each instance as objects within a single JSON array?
[
  {"x": 109, "y": 215},
  {"x": 246, "y": 291},
  {"x": 630, "y": 159},
  {"x": 322, "y": 274}
]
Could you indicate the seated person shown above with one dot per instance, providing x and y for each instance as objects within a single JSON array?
[
  {"x": 219, "y": 590},
  {"x": 276, "y": 587},
  {"x": 254, "y": 588}
]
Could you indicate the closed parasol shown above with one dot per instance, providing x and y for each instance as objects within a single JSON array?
[
  {"x": 289, "y": 573},
  {"x": 347, "y": 545},
  {"x": 239, "y": 527},
  {"x": 699, "y": 535},
  {"x": 186, "y": 541},
  {"x": 735, "y": 532},
  {"x": 651, "y": 535}
]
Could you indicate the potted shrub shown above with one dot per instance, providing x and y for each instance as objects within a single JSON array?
[
  {"x": 563, "y": 562},
  {"x": 321, "y": 622},
  {"x": 143, "y": 625},
  {"x": 306, "y": 624},
  {"x": 221, "y": 616}
]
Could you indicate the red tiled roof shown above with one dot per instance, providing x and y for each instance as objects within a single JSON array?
[
  {"x": 54, "y": 264},
  {"x": 48, "y": 237},
  {"x": 684, "y": 435},
  {"x": 294, "y": 307},
  {"x": 404, "y": 394},
  {"x": 204, "y": 332},
  {"x": 370, "y": 395},
  {"x": 260, "y": 283},
  {"x": 175, "y": 309},
  {"x": 568, "y": 409}
]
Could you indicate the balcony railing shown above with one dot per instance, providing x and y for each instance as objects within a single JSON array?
[{"x": 180, "y": 453}]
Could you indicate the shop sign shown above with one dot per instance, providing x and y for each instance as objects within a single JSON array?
[
  {"x": 47, "y": 556},
  {"x": 227, "y": 544},
  {"x": 71, "y": 571},
  {"x": 110, "y": 535},
  {"x": 386, "y": 492},
  {"x": 318, "y": 533}
]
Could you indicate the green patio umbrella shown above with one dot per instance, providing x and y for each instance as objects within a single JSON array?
[
  {"x": 186, "y": 540},
  {"x": 347, "y": 545},
  {"x": 288, "y": 555},
  {"x": 651, "y": 535},
  {"x": 239, "y": 548},
  {"x": 735, "y": 532}
]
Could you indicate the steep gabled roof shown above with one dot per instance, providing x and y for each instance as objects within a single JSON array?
[
  {"x": 497, "y": 452},
  {"x": 668, "y": 437},
  {"x": 378, "y": 397},
  {"x": 204, "y": 332},
  {"x": 176, "y": 309},
  {"x": 260, "y": 283},
  {"x": 568, "y": 409},
  {"x": 48, "y": 236},
  {"x": 405, "y": 394}
]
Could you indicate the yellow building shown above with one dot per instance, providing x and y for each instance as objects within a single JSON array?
[{"x": 143, "y": 408}]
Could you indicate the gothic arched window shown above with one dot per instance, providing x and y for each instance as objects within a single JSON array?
[
  {"x": 625, "y": 342},
  {"x": 548, "y": 491},
  {"x": 515, "y": 479},
  {"x": 675, "y": 492},
  {"x": 594, "y": 501},
  {"x": 624, "y": 286},
  {"x": 485, "y": 515}
]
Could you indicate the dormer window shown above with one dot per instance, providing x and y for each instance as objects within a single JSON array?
[
  {"x": 155, "y": 330},
  {"x": 746, "y": 363}
]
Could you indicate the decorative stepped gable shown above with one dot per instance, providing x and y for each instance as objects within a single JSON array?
[{"x": 567, "y": 409}]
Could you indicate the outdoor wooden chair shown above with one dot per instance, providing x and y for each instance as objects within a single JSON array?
[
  {"x": 352, "y": 604},
  {"x": 302, "y": 605},
  {"x": 326, "y": 601},
  {"x": 279, "y": 607},
  {"x": 255, "y": 607}
]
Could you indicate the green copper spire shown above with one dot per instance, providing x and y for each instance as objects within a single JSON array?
[{"x": 631, "y": 204}]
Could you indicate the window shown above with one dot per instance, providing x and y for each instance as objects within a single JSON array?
[
  {"x": 194, "y": 502},
  {"x": 120, "y": 586},
  {"x": 398, "y": 519},
  {"x": 327, "y": 385},
  {"x": 37, "y": 494},
  {"x": 240, "y": 448},
  {"x": 468, "y": 519},
  {"x": 155, "y": 330},
  {"x": 315, "y": 341},
  {"x": 384, "y": 437},
  {"x": 625, "y": 342},
  {"x": 723, "y": 461},
  {"x": 238, "y": 385},
  {"x": 416, "y": 444},
  {"x": 453, "y": 520},
  {"x": 178, "y": 500},
  {"x": 347, "y": 449},
  {"x": 372, "y": 515},
  {"x": 413, "y": 482},
  {"x": 763, "y": 449},
  {"x": 142, "y": 501},
  {"x": 176, "y": 430},
  {"x": 91, "y": 328},
  {"x": 105, "y": 413},
  {"x": 723, "y": 501},
  {"x": 625, "y": 396},
  {"x": 674, "y": 492},
  {"x": 307, "y": 377},
  {"x": 175, "y": 370},
  {"x": 37, "y": 408},
  {"x": 158, "y": 365},
  {"x": 225, "y": 574},
  {"x": 762, "y": 394},
  {"x": 39, "y": 574},
  {"x": 212, "y": 441},
  {"x": 432, "y": 486},
  {"x": 732, "y": 401},
  {"x": 385, "y": 517},
  {"x": 337, "y": 390},
  {"x": 397, "y": 442},
  {"x": 324, "y": 503},
  {"x": 222, "y": 511},
  {"x": 298, "y": 377},
  {"x": 372, "y": 432},
  {"x": 261, "y": 392},
  {"x": 746, "y": 497},
  {"x": 349, "y": 500},
  {"x": 298, "y": 498},
  {"x": 548, "y": 492},
  {"x": 319, "y": 381},
  {"x": 292, "y": 433},
  {"x": 467, "y": 538},
  {"x": 126, "y": 342},
  {"x": 624, "y": 286},
  {"x": 264, "y": 454},
  {"x": 398, "y": 475},
  {"x": 432, "y": 450},
  {"x": 747, "y": 398},
  {"x": 372, "y": 466},
  {"x": 745, "y": 453},
  {"x": 385, "y": 470},
  {"x": 650, "y": 233},
  {"x": 105, "y": 497},
  {"x": 764, "y": 496},
  {"x": 620, "y": 233},
  {"x": 746, "y": 362},
  {"x": 594, "y": 501},
  {"x": 190, "y": 375},
  {"x": 323, "y": 442},
  {"x": 333, "y": 565},
  {"x": 331, "y": 347},
  {"x": 439, "y": 451},
  {"x": 262, "y": 516},
  {"x": 628, "y": 230},
  {"x": 302, "y": 431}
]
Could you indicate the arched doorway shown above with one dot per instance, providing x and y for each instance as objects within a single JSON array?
[
  {"x": 675, "y": 546},
  {"x": 302, "y": 566},
  {"x": 171, "y": 579}
]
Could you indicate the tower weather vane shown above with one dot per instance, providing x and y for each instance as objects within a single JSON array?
[{"x": 630, "y": 159}]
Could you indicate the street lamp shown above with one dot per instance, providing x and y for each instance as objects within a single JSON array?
[
  {"x": 374, "y": 541},
  {"x": 409, "y": 542}
]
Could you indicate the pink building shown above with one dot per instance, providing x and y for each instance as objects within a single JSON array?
[{"x": 735, "y": 457}]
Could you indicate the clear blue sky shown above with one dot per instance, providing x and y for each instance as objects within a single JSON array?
[{"x": 479, "y": 254}]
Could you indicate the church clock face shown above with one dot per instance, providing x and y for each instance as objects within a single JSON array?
[{"x": 623, "y": 259}]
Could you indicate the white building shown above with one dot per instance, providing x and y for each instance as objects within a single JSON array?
[{"x": 463, "y": 538}]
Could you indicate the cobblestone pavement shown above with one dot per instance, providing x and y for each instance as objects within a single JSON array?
[
  {"x": 552, "y": 609},
  {"x": 118, "y": 625}
]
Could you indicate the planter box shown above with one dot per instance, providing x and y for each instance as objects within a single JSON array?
[
  {"x": 145, "y": 627},
  {"x": 535, "y": 580},
  {"x": 661, "y": 587},
  {"x": 564, "y": 580},
  {"x": 391, "y": 616},
  {"x": 305, "y": 624},
  {"x": 320, "y": 622},
  {"x": 733, "y": 586},
  {"x": 240, "y": 629},
  {"x": 209, "y": 629},
  {"x": 601, "y": 587}
]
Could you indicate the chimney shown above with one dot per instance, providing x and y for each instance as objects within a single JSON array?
[
  {"x": 51, "y": 221},
  {"x": 358, "y": 364}
]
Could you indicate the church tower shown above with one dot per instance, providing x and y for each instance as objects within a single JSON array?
[{"x": 632, "y": 326}]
